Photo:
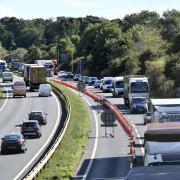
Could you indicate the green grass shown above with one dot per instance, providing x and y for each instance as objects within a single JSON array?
[
  {"x": 65, "y": 160},
  {"x": 0, "y": 93}
]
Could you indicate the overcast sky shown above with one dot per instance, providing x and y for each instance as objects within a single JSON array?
[{"x": 110, "y": 9}]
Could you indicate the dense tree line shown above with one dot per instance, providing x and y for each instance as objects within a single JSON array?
[{"x": 141, "y": 43}]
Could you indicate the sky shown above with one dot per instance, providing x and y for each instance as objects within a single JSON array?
[{"x": 109, "y": 9}]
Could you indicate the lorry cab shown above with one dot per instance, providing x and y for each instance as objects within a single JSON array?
[
  {"x": 19, "y": 89},
  {"x": 135, "y": 85},
  {"x": 45, "y": 90},
  {"x": 118, "y": 86}
]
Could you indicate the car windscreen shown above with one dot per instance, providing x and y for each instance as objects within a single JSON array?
[
  {"x": 139, "y": 87},
  {"x": 7, "y": 74},
  {"x": 49, "y": 66},
  {"x": 30, "y": 124},
  {"x": 108, "y": 82},
  {"x": 119, "y": 84},
  {"x": 19, "y": 87},
  {"x": 138, "y": 100}
]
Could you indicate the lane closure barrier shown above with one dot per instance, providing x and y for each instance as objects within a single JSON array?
[{"x": 112, "y": 107}]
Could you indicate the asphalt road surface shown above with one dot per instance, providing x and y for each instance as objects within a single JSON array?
[
  {"x": 107, "y": 153},
  {"x": 15, "y": 110}
]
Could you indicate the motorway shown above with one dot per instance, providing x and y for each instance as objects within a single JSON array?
[
  {"x": 109, "y": 158},
  {"x": 15, "y": 110}
]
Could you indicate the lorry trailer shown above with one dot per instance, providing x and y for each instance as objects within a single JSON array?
[{"x": 162, "y": 144}]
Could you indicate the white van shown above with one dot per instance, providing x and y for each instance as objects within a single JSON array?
[
  {"x": 45, "y": 90},
  {"x": 118, "y": 86},
  {"x": 107, "y": 84}
]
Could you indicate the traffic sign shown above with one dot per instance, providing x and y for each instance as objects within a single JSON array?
[
  {"x": 81, "y": 86},
  {"x": 108, "y": 117}
]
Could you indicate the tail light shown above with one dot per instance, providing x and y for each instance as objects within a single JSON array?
[{"x": 20, "y": 142}]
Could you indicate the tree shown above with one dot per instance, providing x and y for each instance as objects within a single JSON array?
[
  {"x": 170, "y": 23},
  {"x": 18, "y": 53},
  {"x": 3, "y": 52},
  {"x": 33, "y": 53},
  {"x": 143, "y": 18},
  {"x": 65, "y": 45}
]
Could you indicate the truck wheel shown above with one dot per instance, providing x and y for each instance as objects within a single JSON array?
[{"x": 125, "y": 101}]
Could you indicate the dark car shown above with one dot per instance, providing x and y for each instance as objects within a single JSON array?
[
  {"x": 92, "y": 80},
  {"x": 31, "y": 129},
  {"x": 97, "y": 84},
  {"x": 40, "y": 116},
  {"x": 139, "y": 104},
  {"x": 13, "y": 142}
]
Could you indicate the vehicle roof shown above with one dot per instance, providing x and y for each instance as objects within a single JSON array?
[
  {"x": 168, "y": 109},
  {"x": 19, "y": 82},
  {"x": 139, "y": 97},
  {"x": 27, "y": 121},
  {"x": 118, "y": 78},
  {"x": 37, "y": 66},
  {"x": 107, "y": 78},
  {"x": 165, "y": 102},
  {"x": 7, "y": 72},
  {"x": 165, "y": 128},
  {"x": 154, "y": 173},
  {"x": 47, "y": 84},
  {"x": 13, "y": 133},
  {"x": 34, "y": 111}
]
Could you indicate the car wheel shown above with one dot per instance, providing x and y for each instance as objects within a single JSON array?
[
  {"x": 23, "y": 150},
  {"x": 2, "y": 152}
]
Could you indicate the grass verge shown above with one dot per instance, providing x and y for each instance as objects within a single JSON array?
[
  {"x": 65, "y": 160},
  {"x": 0, "y": 93}
]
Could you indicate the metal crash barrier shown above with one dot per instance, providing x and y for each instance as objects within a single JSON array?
[{"x": 112, "y": 107}]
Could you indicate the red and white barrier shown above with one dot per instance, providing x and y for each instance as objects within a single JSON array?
[{"x": 119, "y": 115}]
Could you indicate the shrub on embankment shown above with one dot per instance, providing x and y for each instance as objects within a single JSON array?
[{"x": 65, "y": 160}]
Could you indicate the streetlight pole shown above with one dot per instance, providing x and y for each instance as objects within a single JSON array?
[{"x": 80, "y": 66}]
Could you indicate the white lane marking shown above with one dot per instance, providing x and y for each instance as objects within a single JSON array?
[
  {"x": 137, "y": 134},
  {"x": 96, "y": 139},
  {"x": 42, "y": 148},
  {"x": 7, "y": 94},
  {"x": 140, "y": 141},
  {"x": 95, "y": 143}
]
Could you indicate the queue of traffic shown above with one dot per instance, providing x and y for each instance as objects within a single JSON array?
[
  {"x": 162, "y": 116},
  {"x": 30, "y": 128}
]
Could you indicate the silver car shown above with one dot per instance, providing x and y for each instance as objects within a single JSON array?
[{"x": 7, "y": 76}]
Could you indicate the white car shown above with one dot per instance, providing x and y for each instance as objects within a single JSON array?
[
  {"x": 61, "y": 74},
  {"x": 7, "y": 76},
  {"x": 45, "y": 90}
]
